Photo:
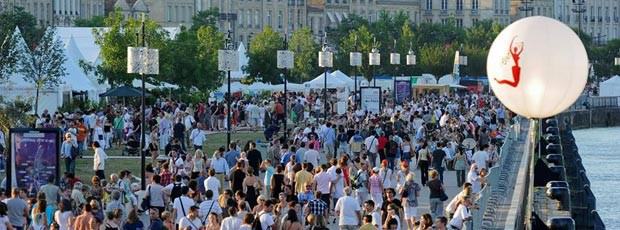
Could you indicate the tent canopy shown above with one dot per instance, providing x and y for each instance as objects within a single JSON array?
[
  {"x": 319, "y": 82},
  {"x": 124, "y": 91},
  {"x": 610, "y": 87},
  {"x": 341, "y": 76}
]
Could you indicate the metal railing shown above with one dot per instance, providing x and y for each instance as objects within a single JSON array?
[
  {"x": 587, "y": 102},
  {"x": 487, "y": 203}
]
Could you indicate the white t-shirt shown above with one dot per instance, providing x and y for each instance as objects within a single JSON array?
[
  {"x": 209, "y": 204},
  {"x": 312, "y": 156},
  {"x": 198, "y": 137},
  {"x": 231, "y": 223},
  {"x": 481, "y": 157},
  {"x": 182, "y": 210},
  {"x": 472, "y": 178},
  {"x": 348, "y": 207},
  {"x": 266, "y": 220},
  {"x": 371, "y": 143},
  {"x": 3, "y": 222},
  {"x": 459, "y": 216},
  {"x": 194, "y": 224},
  {"x": 213, "y": 184}
]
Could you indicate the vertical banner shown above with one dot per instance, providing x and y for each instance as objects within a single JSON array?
[
  {"x": 403, "y": 91},
  {"x": 371, "y": 99},
  {"x": 34, "y": 156},
  {"x": 455, "y": 70}
]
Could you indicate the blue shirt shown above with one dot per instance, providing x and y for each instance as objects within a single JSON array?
[
  {"x": 287, "y": 157},
  {"x": 231, "y": 157},
  {"x": 305, "y": 197},
  {"x": 268, "y": 174},
  {"x": 329, "y": 136}
]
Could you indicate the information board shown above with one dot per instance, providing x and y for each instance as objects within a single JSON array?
[
  {"x": 403, "y": 91},
  {"x": 34, "y": 156},
  {"x": 371, "y": 99}
]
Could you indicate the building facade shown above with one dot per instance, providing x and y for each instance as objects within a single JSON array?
[
  {"x": 598, "y": 18},
  {"x": 57, "y": 12}
]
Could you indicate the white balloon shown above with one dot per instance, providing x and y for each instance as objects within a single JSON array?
[{"x": 537, "y": 67}]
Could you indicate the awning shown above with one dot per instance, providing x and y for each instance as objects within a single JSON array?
[
  {"x": 331, "y": 18},
  {"x": 339, "y": 16}
]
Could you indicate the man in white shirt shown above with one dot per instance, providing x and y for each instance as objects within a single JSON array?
[
  {"x": 232, "y": 222},
  {"x": 209, "y": 206},
  {"x": 220, "y": 166},
  {"x": 213, "y": 184},
  {"x": 348, "y": 209},
  {"x": 191, "y": 220},
  {"x": 266, "y": 220},
  {"x": 481, "y": 158},
  {"x": 197, "y": 137},
  {"x": 312, "y": 156},
  {"x": 181, "y": 205},
  {"x": 371, "y": 143},
  {"x": 460, "y": 216}
]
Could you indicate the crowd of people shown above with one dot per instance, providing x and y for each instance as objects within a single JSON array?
[{"x": 352, "y": 170}]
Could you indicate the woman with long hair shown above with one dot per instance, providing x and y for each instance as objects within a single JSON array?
[
  {"x": 291, "y": 222},
  {"x": 64, "y": 216},
  {"x": 39, "y": 220},
  {"x": 5, "y": 223}
]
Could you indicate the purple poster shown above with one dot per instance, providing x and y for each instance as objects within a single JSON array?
[
  {"x": 403, "y": 91},
  {"x": 34, "y": 157}
]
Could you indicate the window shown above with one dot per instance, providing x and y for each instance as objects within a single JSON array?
[
  {"x": 444, "y": 21},
  {"x": 474, "y": 4},
  {"x": 169, "y": 14},
  {"x": 459, "y": 22},
  {"x": 269, "y": 18},
  {"x": 280, "y": 19},
  {"x": 429, "y": 4},
  {"x": 182, "y": 14},
  {"x": 474, "y": 21},
  {"x": 290, "y": 18},
  {"x": 240, "y": 18},
  {"x": 176, "y": 13},
  {"x": 459, "y": 4},
  {"x": 311, "y": 25},
  {"x": 256, "y": 18},
  {"x": 300, "y": 23},
  {"x": 444, "y": 4},
  {"x": 320, "y": 25},
  {"x": 249, "y": 18}
]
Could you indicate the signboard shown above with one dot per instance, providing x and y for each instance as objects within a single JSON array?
[
  {"x": 34, "y": 156},
  {"x": 142, "y": 60},
  {"x": 403, "y": 91},
  {"x": 355, "y": 59},
  {"x": 285, "y": 59},
  {"x": 227, "y": 60},
  {"x": 371, "y": 99}
]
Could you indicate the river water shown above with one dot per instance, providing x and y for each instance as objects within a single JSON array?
[{"x": 599, "y": 151}]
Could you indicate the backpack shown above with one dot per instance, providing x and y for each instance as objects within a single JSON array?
[
  {"x": 393, "y": 149},
  {"x": 176, "y": 191},
  {"x": 256, "y": 225}
]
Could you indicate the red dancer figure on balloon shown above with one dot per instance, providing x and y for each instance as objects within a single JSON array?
[{"x": 515, "y": 52}]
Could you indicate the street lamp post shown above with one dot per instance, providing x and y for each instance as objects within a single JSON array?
[
  {"x": 526, "y": 8},
  {"x": 580, "y": 4},
  {"x": 285, "y": 62},
  {"x": 355, "y": 60},
  {"x": 411, "y": 58},
  {"x": 394, "y": 60},
  {"x": 617, "y": 59},
  {"x": 143, "y": 61},
  {"x": 374, "y": 59},
  {"x": 228, "y": 60},
  {"x": 325, "y": 61}
]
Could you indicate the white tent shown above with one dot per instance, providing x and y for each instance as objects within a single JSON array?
[
  {"x": 293, "y": 87},
  {"x": 16, "y": 87},
  {"x": 341, "y": 76},
  {"x": 610, "y": 87},
  {"x": 319, "y": 82},
  {"x": 137, "y": 83},
  {"x": 447, "y": 79},
  {"x": 426, "y": 79},
  {"x": 75, "y": 77},
  {"x": 243, "y": 61},
  {"x": 234, "y": 87}
]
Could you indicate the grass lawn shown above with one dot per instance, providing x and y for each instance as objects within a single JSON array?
[{"x": 84, "y": 167}]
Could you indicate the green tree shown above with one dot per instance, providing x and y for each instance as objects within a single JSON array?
[
  {"x": 302, "y": 43},
  {"x": 9, "y": 19},
  {"x": 476, "y": 60},
  {"x": 95, "y": 21},
  {"x": 603, "y": 59},
  {"x": 114, "y": 41},
  {"x": 483, "y": 33},
  {"x": 205, "y": 18},
  {"x": 262, "y": 54},
  {"x": 9, "y": 56},
  {"x": 361, "y": 40},
  {"x": 436, "y": 59},
  {"x": 210, "y": 40},
  {"x": 43, "y": 66}
]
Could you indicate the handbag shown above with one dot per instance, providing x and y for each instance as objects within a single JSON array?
[
  {"x": 146, "y": 201},
  {"x": 443, "y": 195}
]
